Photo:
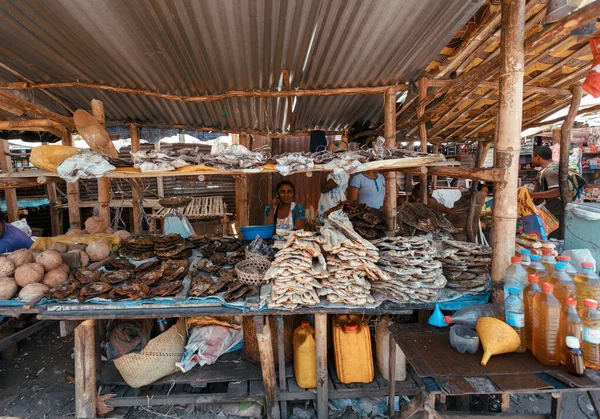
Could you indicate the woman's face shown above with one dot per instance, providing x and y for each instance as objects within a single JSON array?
[{"x": 286, "y": 194}]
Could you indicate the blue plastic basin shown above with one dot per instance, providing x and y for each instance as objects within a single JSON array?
[{"x": 264, "y": 231}]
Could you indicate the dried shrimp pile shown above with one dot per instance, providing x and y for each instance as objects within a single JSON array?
[
  {"x": 467, "y": 266},
  {"x": 414, "y": 275}
]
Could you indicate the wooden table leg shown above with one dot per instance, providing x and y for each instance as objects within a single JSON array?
[
  {"x": 281, "y": 359},
  {"x": 267, "y": 364},
  {"x": 556, "y": 406},
  {"x": 85, "y": 370},
  {"x": 595, "y": 404},
  {"x": 322, "y": 374},
  {"x": 392, "y": 375}
]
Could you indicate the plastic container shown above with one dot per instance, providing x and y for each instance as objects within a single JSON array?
[
  {"x": 525, "y": 257},
  {"x": 305, "y": 356},
  {"x": 564, "y": 286},
  {"x": 515, "y": 276},
  {"x": 546, "y": 326},
  {"x": 536, "y": 267},
  {"x": 548, "y": 261},
  {"x": 582, "y": 223},
  {"x": 264, "y": 232},
  {"x": 464, "y": 339},
  {"x": 566, "y": 260},
  {"x": 515, "y": 316},
  {"x": 352, "y": 348},
  {"x": 570, "y": 325},
  {"x": 468, "y": 316},
  {"x": 590, "y": 344},
  {"x": 588, "y": 285},
  {"x": 574, "y": 363},
  {"x": 382, "y": 351},
  {"x": 531, "y": 290}
]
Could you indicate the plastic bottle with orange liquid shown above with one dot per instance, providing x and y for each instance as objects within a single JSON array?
[
  {"x": 590, "y": 344},
  {"x": 548, "y": 261},
  {"x": 564, "y": 286},
  {"x": 531, "y": 290},
  {"x": 546, "y": 326},
  {"x": 588, "y": 285},
  {"x": 566, "y": 260},
  {"x": 536, "y": 267},
  {"x": 515, "y": 276},
  {"x": 570, "y": 325}
]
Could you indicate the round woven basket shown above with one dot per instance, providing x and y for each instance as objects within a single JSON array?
[
  {"x": 156, "y": 360},
  {"x": 252, "y": 271}
]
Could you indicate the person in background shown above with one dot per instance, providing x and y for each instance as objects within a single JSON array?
[
  {"x": 333, "y": 190},
  {"x": 283, "y": 212},
  {"x": 431, "y": 201},
  {"x": 367, "y": 188},
  {"x": 11, "y": 238}
]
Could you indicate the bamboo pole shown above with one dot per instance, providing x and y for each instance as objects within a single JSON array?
[
  {"x": 322, "y": 374},
  {"x": 136, "y": 190},
  {"x": 475, "y": 173},
  {"x": 508, "y": 142},
  {"x": 73, "y": 195},
  {"x": 54, "y": 212},
  {"x": 391, "y": 194},
  {"x": 267, "y": 364},
  {"x": 423, "y": 84},
  {"x": 10, "y": 194},
  {"x": 290, "y": 99},
  {"x": 565, "y": 145},
  {"x": 103, "y": 183},
  {"x": 85, "y": 369}
]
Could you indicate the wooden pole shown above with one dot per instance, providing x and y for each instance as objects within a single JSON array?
[
  {"x": 556, "y": 135},
  {"x": 10, "y": 194},
  {"x": 241, "y": 201},
  {"x": 508, "y": 142},
  {"x": 565, "y": 145},
  {"x": 85, "y": 370},
  {"x": 16, "y": 101},
  {"x": 322, "y": 374},
  {"x": 281, "y": 364},
  {"x": 482, "y": 149},
  {"x": 73, "y": 195},
  {"x": 423, "y": 84},
  {"x": 290, "y": 100},
  {"x": 392, "y": 374},
  {"x": 391, "y": 194},
  {"x": 54, "y": 212},
  {"x": 434, "y": 178},
  {"x": 103, "y": 183},
  {"x": 267, "y": 364},
  {"x": 136, "y": 191}
]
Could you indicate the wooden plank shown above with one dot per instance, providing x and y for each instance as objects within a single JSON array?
[
  {"x": 241, "y": 201},
  {"x": 237, "y": 389},
  {"x": 137, "y": 196},
  {"x": 54, "y": 212},
  {"x": 519, "y": 382},
  {"x": 73, "y": 196},
  {"x": 256, "y": 388},
  {"x": 173, "y": 399},
  {"x": 281, "y": 363},
  {"x": 391, "y": 194},
  {"x": 423, "y": 84},
  {"x": 67, "y": 327},
  {"x": 267, "y": 363},
  {"x": 23, "y": 334},
  {"x": 10, "y": 194},
  {"x": 391, "y": 374},
  {"x": 322, "y": 374},
  {"x": 85, "y": 370}
]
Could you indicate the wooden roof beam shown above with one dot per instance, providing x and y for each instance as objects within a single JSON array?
[
  {"x": 39, "y": 110},
  {"x": 526, "y": 88}
]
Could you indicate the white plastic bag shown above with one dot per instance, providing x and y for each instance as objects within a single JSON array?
[
  {"x": 206, "y": 344},
  {"x": 85, "y": 164},
  {"x": 23, "y": 226}
]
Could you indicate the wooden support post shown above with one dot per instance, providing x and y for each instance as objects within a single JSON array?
[
  {"x": 103, "y": 183},
  {"x": 159, "y": 180},
  {"x": 267, "y": 363},
  {"x": 508, "y": 141},
  {"x": 85, "y": 370},
  {"x": 72, "y": 192},
  {"x": 136, "y": 190},
  {"x": 290, "y": 100},
  {"x": 55, "y": 224},
  {"x": 10, "y": 194},
  {"x": 242, "y": 213},
  {"x": 322, "y": 374},
  {"x": 391, "y": 193},
  {"x": 436, "y": 150},
  {"x": 281, "y": 363},
  {"x": 423, "y": 83},
  {"x": 392, "y": 375},
  {"x": 565, "y": 145},
  {"x": 482, "y": 149}
]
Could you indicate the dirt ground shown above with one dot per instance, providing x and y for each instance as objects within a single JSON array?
[{"x": 37, "y": 384}]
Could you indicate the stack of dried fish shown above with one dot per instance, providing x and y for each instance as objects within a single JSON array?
[
  {"x": 467, "y": 266},
  {"x": 288, "y": 163},
  {"x": 295, "y": 271},
  {"x": 366, "y": 221},
  {"x": 416, "y": 216},
  {"x": 414, "y": 275},
  {"x": 137, "y": 247},
  {"x": 351, "y": 262},
  {"x": 172, "y": 246},
  {"x": 209, "y": 279}
]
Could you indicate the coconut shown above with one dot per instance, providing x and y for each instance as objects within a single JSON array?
[
  {"x": 21, "y": 257},
  {"x": 7, "y": 267},
  {"x": 98, "y": 251},
  {"x": 109, "y": 230},
  {"x": 78, "y": 246},
  {"x": 65, "y": 268},
  {"x": 123, "y": 234},
  {"x": 59, "y": 247},
  {"x": 8, "y": 288},
  {"x": 29, "y": 273},
  {"x": 74, "y": 232},
  {"x": 95, "y": 225},
  {"x": 32, "y": 291},
  {"x": 49, "y": 259},
  {"x": 55, "y": 277},
  {"x": 83, "y": 257}
]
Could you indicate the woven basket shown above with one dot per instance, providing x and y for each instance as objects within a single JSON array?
[
  {"x": 156, "y": 360},
  {"x": 246, "y": 271}
]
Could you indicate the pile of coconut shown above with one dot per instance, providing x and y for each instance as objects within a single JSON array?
[
  {"x": 94, "y": 225},
  {"x": 36, "y": 272}
]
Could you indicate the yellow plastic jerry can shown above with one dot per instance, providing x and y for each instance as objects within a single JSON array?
[
  {"x": 305, "y": 356},
  {"x": 352, "y": 347}
]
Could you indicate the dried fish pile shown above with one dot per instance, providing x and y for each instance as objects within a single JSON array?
[
  {"x": 351, "y": 262},
  {"x": 209, "y": 279},
  {"x": 137, "y": 247},
  {"x": 370, "y": 223},
  {"x": 414, "y": 216},
  {"x": 288, "y": 163},
  {"x": 296, "y": 270},
  {"x": 466, "y": 266},
  {"x": 414, "y": 275},
  {"x": 172, "y": 246}
]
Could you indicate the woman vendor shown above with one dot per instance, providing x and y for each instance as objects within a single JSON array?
[
  {"x": 282, "y": 211},
  {"x": 367, "y": 188}
]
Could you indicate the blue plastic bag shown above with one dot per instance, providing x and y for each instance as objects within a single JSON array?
[{"x": 532, "y": 224}]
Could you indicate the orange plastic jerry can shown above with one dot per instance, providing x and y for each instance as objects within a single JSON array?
[
  {"x": 305, "y": 356},
  {"x": 352, "y": 348}
]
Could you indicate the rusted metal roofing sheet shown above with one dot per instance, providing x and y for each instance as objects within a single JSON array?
[{"x": 194, "y": 47}]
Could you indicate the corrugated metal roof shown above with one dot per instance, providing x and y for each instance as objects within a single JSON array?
[{"x": 191, "y": 48}]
